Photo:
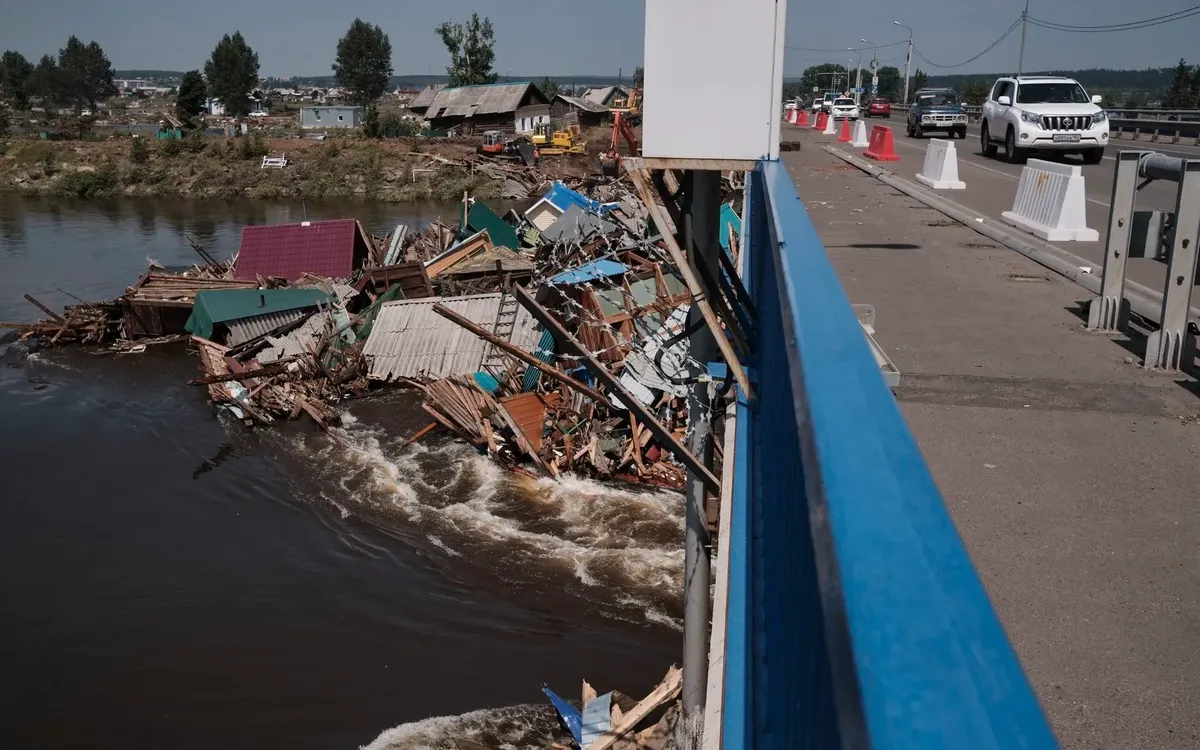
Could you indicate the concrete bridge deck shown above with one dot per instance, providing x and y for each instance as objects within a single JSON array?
[{"x": 1070, "y": 472}]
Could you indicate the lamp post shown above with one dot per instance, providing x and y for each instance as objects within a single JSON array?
[
  {"x": 857, "y": 74},
  {"x": 907, "y": 58},
  {"x": 874, "y": 65}
]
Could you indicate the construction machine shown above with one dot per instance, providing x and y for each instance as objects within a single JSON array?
[
  {"x": 610, "y": 160},
  {"x": 557, "y": 142},
  {"x": 630, "y": 107},
  {"x": 499, "y": 146}
]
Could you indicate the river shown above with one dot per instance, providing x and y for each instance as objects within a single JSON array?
[{"x": 173, "y": 579}]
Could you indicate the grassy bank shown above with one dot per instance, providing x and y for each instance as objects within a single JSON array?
[{"x": 208, "y": 167}]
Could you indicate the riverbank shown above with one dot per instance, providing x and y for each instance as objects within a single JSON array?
[{"x": 405, "y": 170}]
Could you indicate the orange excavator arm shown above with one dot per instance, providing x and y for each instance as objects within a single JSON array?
[{"x": 610, "y": 160}]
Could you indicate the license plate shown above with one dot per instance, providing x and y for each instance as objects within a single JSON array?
[{"x": 1066, "y": 137}]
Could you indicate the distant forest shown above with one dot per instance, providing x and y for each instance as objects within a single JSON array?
[{"x": 415, "y": 81}]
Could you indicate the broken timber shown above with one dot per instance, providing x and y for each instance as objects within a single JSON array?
[
  {"x": 714, "y": 324},
  {"x": 613, "y": 384}
]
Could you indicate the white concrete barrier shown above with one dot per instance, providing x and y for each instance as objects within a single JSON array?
[
  {"x": 860, "y": 135},
  {"x": 1051, "y": 203},
  {"x": 941, "y": 166},
  {"x": 829, "y": 128}
]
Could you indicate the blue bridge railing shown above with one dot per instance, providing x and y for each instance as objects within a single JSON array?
[{"x": 854, "y": 615}]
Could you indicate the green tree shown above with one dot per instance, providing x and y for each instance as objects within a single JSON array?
[
  {"x": 15, "y": 72},
  {"x": 364, "y": 62},
  {"x": 139, "y": 152},
  {"x": 232, "y": 74},
  {"x": 192, "y": 96},
  {"x": 46, "y": 82},
  {"x": 1179, "y": 96},
  {"x": 975, "y": 93},
  {"x": 1135, "y": 100},
  {"x": 920, "y": 78},
  {"x": 472, "y": 48},
  {"x": 549, "y": 87},
  {"x": 822, "y": 78},
  {"x": 639, "y": 77},
  {"x": 85, "y": 74},
  {"x": 371, "y": 126},
  {"x": 891, "y": 83}
]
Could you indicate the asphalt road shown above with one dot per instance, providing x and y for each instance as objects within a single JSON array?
[{"x": 992, "y": 186}]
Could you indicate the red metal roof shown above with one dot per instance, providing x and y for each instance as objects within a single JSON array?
[{"x": 323, "y": 248}]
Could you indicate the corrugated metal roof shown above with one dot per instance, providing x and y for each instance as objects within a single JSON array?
[
  {"x": 227, "y": 305},
  {"x": 602, "y": 94},
  {"x": 322, "y": 248},
  {"x": 241, "y": 331},
  {"x": 564, "y": 197},
  {"x": 576, "y": 225},
  {"x": 410, "y": 340},
  {"x": 646, "y": 374},
  {"x": 426, "y": 97},
  {"x": 297, "y": 342},
  {"x": 583, "y": 104},
  {"x": 467, "y": 101}
]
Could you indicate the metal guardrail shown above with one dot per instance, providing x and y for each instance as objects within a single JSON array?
[
  {"x": 854, "y": 615},
  {"x": 1140, "y": 126}
]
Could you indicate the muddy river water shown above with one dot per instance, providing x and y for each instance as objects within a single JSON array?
[{"x": 171, "y": 579}]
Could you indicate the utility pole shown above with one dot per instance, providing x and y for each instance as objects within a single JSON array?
[
  {"x": 907, "y": 59},
  {"x": 1024, "y": 26}
]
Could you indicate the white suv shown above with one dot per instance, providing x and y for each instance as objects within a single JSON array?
[{"x": 1043, "y": 113}]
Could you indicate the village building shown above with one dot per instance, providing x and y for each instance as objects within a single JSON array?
[
  {"x": 606, "y": 96},
  {"x": 331, "y": 116},
  {"x": 475, "y": 109},
  {"x": 569, "y": 110},
  {"x": 333, "y": 249}
]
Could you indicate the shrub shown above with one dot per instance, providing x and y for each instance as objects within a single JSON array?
[
  {"x": 102, "y": 182},
  {"x": 252, "y": 146},
  {"x": 172, "y": 147},
  {"x": 139, "y": 152}
]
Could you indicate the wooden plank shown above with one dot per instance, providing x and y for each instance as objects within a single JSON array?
[
  {"x": 601, "y": 373},
  {"x": 44, "y": 309},
  {"x": 666, "y": 690},
  {"x": 685, "y": 269},
  {"x": 420, "y": 434}
]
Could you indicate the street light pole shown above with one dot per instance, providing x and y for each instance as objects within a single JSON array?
[
  {"x": 874, "y": 65},
  {"x": 1024, "y": 26},
  {"x": 857, "y": 76},
  {"x": 907, "y": 59}
]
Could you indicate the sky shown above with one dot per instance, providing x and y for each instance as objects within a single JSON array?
[{"x": 564, "y": 38}]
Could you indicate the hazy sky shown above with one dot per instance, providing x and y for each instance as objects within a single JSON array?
[{"x": 539, "y": 37}]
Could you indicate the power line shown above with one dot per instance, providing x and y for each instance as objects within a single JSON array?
[
  {"x": 850, "y": 49},
  {"x": 1145, "y": 23},
  {"x": 986, "y": 50}
]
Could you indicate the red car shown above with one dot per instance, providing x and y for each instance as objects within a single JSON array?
[{"x": 879, "y": 107}]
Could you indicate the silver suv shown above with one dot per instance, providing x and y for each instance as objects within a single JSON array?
[{"x": 1043, "y": 113}]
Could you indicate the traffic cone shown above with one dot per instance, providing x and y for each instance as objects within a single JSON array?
[
  {"x": 803, "y": 122},
  {"x": 860, "y": 135},
  {"x": 819, "y": 122},
  {"x": 845, "y": 136},
  {"x": 830, "y": 127},
  {"x": 883, "y": 147}
]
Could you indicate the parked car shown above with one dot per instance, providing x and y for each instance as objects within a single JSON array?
[
  {"x": 1043, "y": 113},
  {"x": 817, "y": 103},
  {"x": 878, "y": 107},
  {"x": 844, "y": 109},
  {"x": 827, "y": 101},
  {"x": 934, "y": 110}
]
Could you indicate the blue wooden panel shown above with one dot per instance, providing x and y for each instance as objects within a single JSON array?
[{"x": 855, "y": 616}]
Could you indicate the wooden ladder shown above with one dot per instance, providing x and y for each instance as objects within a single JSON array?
[{"x": 506, "y": 321}]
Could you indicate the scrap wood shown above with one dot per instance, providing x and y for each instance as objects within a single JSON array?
[
  {"x": 420, "y": 434},
  {"x": 667, "y": 690},
  {"x": 685, "y": 269},
  {"x": 259, "y": 372},
  {"x": 614, "y": 385},
  {"x": 43, "y": 308}
]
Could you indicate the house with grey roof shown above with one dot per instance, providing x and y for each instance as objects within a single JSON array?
[
  {"x": 570, "y": 110},
  {"x": 480, "y": 108},
  {"x": 606, "y": 95}
]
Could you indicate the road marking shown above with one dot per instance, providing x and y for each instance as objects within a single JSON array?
[{"x": 905, "y": 142}]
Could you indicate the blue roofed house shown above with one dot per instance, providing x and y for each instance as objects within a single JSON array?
[{"x": 555, "y": 203}]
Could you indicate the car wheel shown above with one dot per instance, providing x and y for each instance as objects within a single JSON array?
[
  {"x": 1012, "y": 154},
  {"x": 961, "y": 133},
  {"x": 1094, "y": 156},
  {"x": 985, "y": 139}
]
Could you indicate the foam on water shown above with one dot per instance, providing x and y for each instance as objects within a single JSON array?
[{"x": 509, "y": 728}]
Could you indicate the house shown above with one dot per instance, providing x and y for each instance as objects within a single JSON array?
[
  {"x": 481, "y": 108},
  {"x": 215, "y": 107},
  {"x": 331, "y": 116},
  {"x": 235, "y": 316},
  {"x": 333, "y": 249},
  {"x": 527, "y": 119},
  {"x": 569, "y": 110},
  {"x": 606, "y": 95},
  {"x": 420, "y": 103}
]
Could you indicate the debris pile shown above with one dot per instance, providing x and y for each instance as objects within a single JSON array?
[
  {"x": 554, "y": 338},
  {"x": 613, "y": 720}
]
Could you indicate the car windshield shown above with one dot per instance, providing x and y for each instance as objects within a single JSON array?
[
  {"x": 948, "y": 99},
  {"x": 1052, "y": 93},
  {"x": 843, "y": 102}
]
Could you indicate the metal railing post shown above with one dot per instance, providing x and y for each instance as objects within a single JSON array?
[
  {"x": 1172, "y": 347},
  {"x": 1110, "y": 311}
]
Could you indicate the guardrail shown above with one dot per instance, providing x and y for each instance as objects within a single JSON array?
[
  {"x": 854, "y": 616},
  {"x": 1140, "y": 126}
]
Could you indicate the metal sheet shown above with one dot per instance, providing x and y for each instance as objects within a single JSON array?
[
  {"x": 241, "y": 331},
  {"x": 467, "y": 101},
  {"x": 410, "y": 340}
]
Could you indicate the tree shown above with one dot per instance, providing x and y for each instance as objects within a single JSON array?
[
  {"x": 639, "y": 77},
  {"x": 975, "y": 93},
  {"x": 472, "y": 49},
  {"x": 549, "y": 87},
  {"x": 920, "y": 78},
  {"x": 85, "y": 74},
  {"x": 364, "y": 62},
  {"x": 1136, "y": 100},
  {"x": 15, "y": 72},
  {"x": 1179, "y": 96},
  {"x": 232, "y": 74},
  {"x": 822, "y": 77},
  {"x": 46, "y": 82},
  {"x": 192, "y": 96},
  {"x": 891, "y": 82}
]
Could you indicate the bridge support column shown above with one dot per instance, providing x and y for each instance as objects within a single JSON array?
[{"x": 701, "y": 225}]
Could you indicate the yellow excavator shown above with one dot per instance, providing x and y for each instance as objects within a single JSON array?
[{"x": 557, "y": 142}]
